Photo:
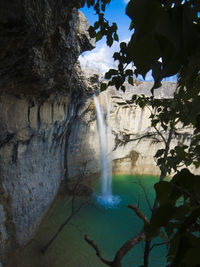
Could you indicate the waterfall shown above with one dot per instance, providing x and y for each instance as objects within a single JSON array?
[
  {"x": 105, "y": 134},
  {"x": 108, "y": 144},
  {"x": 102, "y": 135}
]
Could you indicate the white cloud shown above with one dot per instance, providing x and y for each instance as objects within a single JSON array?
[
  {"x": 100, "y": 58},
  {"x": 126, "y": 1}
]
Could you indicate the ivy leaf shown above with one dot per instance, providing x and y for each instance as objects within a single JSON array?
[
  {"x": 103, "y": 7},
  {"x": 159, "y": 153},
  {"x": 113, "y": 72},
  {"x": 129, "y": 72},
  {"x": 103, "y": 87},
  {"x": 131, "y": 27},
  {"x": 134, "y": 97},
  {"x": 123, "y": 47},
  {"x": 96, "y": 25},
  {"x": 109, "y": 41},
  {"x": 114, "y": 25},
  {"x": 98, "y": 36},
  {"x": 90, "y": 3},
  {"x": 154, "y": 123},
  {"x": 92, "y": 32},
  {"x": 116, "y": 56},
  {"x": 196, "y": 164},
  {"x": 116, "y": 37},
  {"x": 120, "y": 67},
  {"x": 163, "y": 192},
  {"x": 107, "y": 75},
  {"x": 130, "y": 80},
  {"x": 184, "y": 179},
  {"x": 162, "y": 216},
  {"x": 144, "y": 13},
  {"x": 123, "y": 88}
]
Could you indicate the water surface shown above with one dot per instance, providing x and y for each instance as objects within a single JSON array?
[{"x": 110, "y": 228}]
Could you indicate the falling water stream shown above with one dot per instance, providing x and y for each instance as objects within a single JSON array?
[
  {"x": 108, "y": 144},
  {"x": 102, "y": 136},
  {"x": 106, "y": 198}
]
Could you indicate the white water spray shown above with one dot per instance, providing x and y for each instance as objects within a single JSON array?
[{"x": 105, "y": 134}]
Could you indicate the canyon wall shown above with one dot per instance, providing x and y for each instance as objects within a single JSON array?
[
  {"x": 134, "y": 142},
  {"x": 42, "y": 89}
]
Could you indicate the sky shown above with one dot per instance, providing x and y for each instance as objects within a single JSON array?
[
  {"x": 115, "y": 12},
  {"x": 100, "y": 58}
]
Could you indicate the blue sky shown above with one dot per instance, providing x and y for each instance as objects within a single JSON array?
[
  {"x": 115, "y": 12},
  {"x": 100, "y": 58}
]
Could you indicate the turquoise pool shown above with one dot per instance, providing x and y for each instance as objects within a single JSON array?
[{"x": 109, "y": 228}]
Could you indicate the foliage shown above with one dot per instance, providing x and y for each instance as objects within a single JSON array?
[
  {"x": 165, "y": 38},
  {"x": 102, "y": 24},
  {"x": 179, "y": 214},
  {"x": 180, "y": 112}
]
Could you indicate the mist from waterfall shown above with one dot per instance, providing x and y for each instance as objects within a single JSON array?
[{"x": 105, "y": 134}]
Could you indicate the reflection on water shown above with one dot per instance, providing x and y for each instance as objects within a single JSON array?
[{"x": 109, "y": 228}]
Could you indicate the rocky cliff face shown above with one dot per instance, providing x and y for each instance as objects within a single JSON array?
[
  {"x": 40, "y": 43},
  {"x": 42, "y": 90},
  {"x": 134, "y": 141}
]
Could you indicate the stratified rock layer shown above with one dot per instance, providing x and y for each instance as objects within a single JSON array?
[
  {"x": 42, "y": 89},
  {"x": 134, "y": 141}
]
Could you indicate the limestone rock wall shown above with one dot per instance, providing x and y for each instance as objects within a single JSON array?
[
  {"x": 134, "y": 142},
  {"x": 33, "y": 151},
  {"x": 39, "y": 44},
  {"x": 83, "y": 157},
  {"x": 42, "y": 89},
  {"x": 31, "y": 158}
]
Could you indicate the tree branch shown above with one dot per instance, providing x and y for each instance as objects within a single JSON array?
[
  {"x": 145, "y": 194},
  {"x": 74, "y": 211},
  {"x": 98, "y": 252},
  {"x": 139, "y": 199},
  {"x": 161, "y": 135},
  {"x": 127, "y": 247},
  {"x": 121, "y": 252},
  {"x": 139, "y": 213}
]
